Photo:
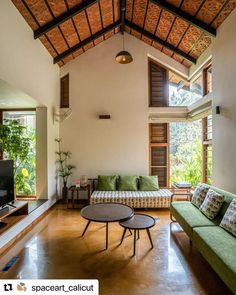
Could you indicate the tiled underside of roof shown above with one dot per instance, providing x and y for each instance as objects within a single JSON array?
[{"x": 143, "y": 13}]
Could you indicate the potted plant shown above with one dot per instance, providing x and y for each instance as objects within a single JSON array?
[{"x": 64, "y": 170}]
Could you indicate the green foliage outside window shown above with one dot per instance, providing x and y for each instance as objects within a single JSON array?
[
  {"x": 185, "y": 145},
  {"x": 18, "y": 143}
]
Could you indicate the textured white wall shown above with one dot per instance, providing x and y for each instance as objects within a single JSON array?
[
  {"x": 99, "y": 85},
  {"x": 224, "y": 95},
  {"x": 26, "y": 64}
]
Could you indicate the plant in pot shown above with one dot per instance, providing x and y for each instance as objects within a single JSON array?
[
  {"x": 64, "y": 170},
  {"x": 16, "y": 145}
]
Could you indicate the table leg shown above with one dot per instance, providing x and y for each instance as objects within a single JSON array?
[
  {"x": 73, "y": 200},
  {"x": 138, "y": 234},
  {"x": 125, "y": 229},
  {"x": 86, "y": 227},
  {"x": 106, "y": 235},
  {"x": 67, "y": 202},
  {"x": 134, "y": 242},
  {"x": 150, "y": 238},
  {"x": 130, "y": 232},
  {"x": 77, "y": 197}
]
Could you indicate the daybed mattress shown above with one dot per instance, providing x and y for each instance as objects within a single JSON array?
[{"x": 134, "y": 199}]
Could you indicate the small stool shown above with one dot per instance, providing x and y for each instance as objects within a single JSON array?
[{"x": 138, "y": 222}]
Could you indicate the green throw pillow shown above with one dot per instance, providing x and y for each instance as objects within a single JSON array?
[
  {"x": 148, "y": 183},
  {"x": 128, "y": 183},
  {"x": 106, "y": 183}
]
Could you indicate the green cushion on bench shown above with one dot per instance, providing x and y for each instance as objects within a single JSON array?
[
  {"x": 189, "y": 216},
  {"x": 218, "y": 247}
]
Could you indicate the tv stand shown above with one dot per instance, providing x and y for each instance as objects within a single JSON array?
[{"x": 9, "y": 216}]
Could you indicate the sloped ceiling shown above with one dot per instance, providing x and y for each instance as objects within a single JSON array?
[{"x": 182, "y": 29}]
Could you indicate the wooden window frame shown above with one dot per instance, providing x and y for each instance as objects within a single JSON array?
[
  {"x": 62, "y": 102},
  {"x": 206, "y": 143},
  {"x": 205, "y": 79},
  {"x": 166, "y": 90},
  {"x": 166, "y": 145}
]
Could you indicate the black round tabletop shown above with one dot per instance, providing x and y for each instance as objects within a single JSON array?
[
  {"x": 139, "y": 221},
  {"x": 107, "y": 212}
]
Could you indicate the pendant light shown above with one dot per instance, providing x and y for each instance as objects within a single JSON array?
[{"x": 124, "y": 57}]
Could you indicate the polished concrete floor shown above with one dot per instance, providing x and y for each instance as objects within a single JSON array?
[{"x": 55, "y": 249}]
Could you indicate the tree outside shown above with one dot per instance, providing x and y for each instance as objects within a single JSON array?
[
  {"x": 18, "y": 142},
  {"x": 185, "y": 144}
]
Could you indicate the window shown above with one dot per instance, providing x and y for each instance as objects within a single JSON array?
[
  {"x": 25, "y": 175},
  {"x": 65, "y": 92},
  {"x": 159, "y": 152},
  {"x": 196, "y": 87},
  {"x": 158, "y": 85},
  {"x": 186, "y": 152},
  {"x": 207, "y": 76},
  {"x": 207, "y": 149}
]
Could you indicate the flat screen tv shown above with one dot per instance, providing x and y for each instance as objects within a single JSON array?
[{"x": 6, "y": 182}]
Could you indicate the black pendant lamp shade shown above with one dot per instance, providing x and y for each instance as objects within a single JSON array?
[{"x": 124, "y": 57}]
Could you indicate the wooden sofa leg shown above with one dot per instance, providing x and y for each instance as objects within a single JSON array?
[{"x": 190, "y": 243}]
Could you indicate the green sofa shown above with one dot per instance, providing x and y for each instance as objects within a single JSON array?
[{"x": 216, "y": 245}]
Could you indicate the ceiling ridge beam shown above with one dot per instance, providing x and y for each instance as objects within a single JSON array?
[
  {"x": 159, "y": 40},
  {"x": 63, "y": 17},
  {"x": 185, "y": 16},
  {"x": 86, "y": 41},
  {"x": 122, "y": 15}
]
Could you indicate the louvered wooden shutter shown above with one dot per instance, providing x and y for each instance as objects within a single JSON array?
[
  {"x": 158, "y": 86},
  {"x": 159, "y": 152},
  {"x": 65, "y": 92}
]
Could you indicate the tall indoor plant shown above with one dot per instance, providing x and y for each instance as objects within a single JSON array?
[{"x": 64, "y": 170}]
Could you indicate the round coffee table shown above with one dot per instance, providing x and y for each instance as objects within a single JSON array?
[
  {"x": 105, "y": 213},
  {"x": 138, "y": 222}
]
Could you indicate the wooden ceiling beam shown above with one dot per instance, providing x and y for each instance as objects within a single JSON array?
[
  {"x": 160, "y": 41},
  {"x": 87, "y": 41},
  {"x": 63, "y": 17},
  {"x": 122, "y": 15},
  {"x": 185, "y": 16}
]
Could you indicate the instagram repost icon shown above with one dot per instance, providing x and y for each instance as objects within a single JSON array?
[{"x": 21, "y": 287}]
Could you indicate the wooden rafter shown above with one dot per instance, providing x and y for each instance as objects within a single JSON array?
[
  {"x": 160, "y": 41},
  {"x": 63, "y": 17},
  {"x": 185, "y": 16},
  {"x": 87, "y": 41},
  {"x": 122, "y": 15}
]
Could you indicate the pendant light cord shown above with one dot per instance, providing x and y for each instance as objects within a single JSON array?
[{"x": 123, "y": 41}]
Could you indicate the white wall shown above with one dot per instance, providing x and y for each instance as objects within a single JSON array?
[
  {"x": 26, "y": 64},
  {"x": 99, "y": 85},
  {"x": 224, "y": 95}
]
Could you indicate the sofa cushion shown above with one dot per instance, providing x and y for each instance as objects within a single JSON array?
[
  {"x": 228, "y": 197},
  {"x": 128, "y": 183},
  {"x": 106, "y": 183},
  {"x": 229, "y": 220},
  {"x": 148, "y": 183},
  {"x": 200, "y": 194},
  {"x": 211, "y": 204},
  {"x": 189, "y": 216},
  {"x": 218, "y": 247}
]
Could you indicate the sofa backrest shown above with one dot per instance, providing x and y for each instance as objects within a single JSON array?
[{"x": 228, "y": 197}]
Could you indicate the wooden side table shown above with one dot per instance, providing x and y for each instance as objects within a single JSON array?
[{"x": 75, "y": 193}]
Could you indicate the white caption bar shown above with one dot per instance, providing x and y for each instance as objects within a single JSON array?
[{"x": 52, "y": 287}]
